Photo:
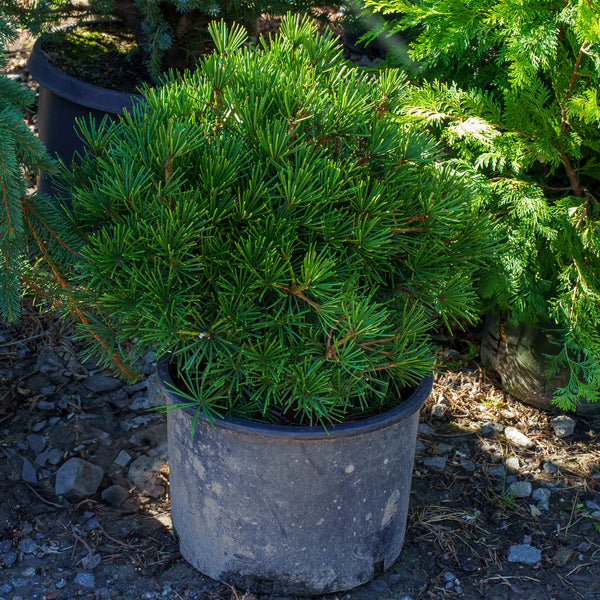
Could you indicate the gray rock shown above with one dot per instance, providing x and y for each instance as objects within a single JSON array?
[
  {"x": 426, "y": 429},
  {"x": 123, "y": 459},
  {"x": 78, "y": 478},
  {"x": 92, "y": 523},
  {"x": 518, "y": 438},
  {"x": 5, "y": 546},
  {"x": 48, "y": 360},
  {"x": 591, "y": 505},
  {"x": 468, "y": 465},
  {"x": 154, "y": 436},
  {"x": 115, "y": 495},
  {"x": 520, "y": 489},
  {"x": 54, "y": 456},
  {"x": 563, "y": 426},
  {"x": 144, "y": 473},
  {"x": 102, "y": 383},
  {"x": 488, "y": 428},
  {"x": 562, "y": 556},
  {"x": 497, "y": 471},
  {"x": 27, "y": 545},
  {"x": 524, "y": 554},
  {"x": 550, "y": 468},
  {"x": 45, "y": 405},
  {"x": 541, "y": 496},
  {"x": 154, "y": 396},
  {"x": 442, "y": 449},
  {"x": 85, "y": 580},
  {"x": 35, "y": 383},
  {"x": 435, "y": 462},
  {"x": 420, "y": 447},
  {"x": 9, "y": 559},
  {"x": 28, "y": 472},
  {"x": 91, "y": 561},
  {"x": 36, "y": 442}
]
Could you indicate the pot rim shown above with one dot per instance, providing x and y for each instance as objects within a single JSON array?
[
  {"x": 71, "y": 88},
  {"x": 395, "y": 415}
]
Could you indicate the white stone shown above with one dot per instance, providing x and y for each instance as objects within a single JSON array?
[{"x": 517, "y": 437}]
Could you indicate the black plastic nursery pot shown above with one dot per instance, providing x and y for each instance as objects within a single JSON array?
[
  {"x": 519, "y": 354},
  {"x": 292, "y": 510},
  {"x": 62, "y": 99}
]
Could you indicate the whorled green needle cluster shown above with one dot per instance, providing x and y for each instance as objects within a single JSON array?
[{"x": 269, "y": 222}]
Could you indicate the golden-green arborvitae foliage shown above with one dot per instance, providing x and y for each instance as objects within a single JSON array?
[
  {"x": 23, "y": 217},
  {"x": 269, "y": 222},
  {"x": 512, "y": 88}
]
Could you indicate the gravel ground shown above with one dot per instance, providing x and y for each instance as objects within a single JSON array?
[{"x": 505, "y": 500}]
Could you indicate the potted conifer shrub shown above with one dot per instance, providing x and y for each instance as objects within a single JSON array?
[
  {"x": 269, "y": 229},
  {"x": 513, "y": 88}
]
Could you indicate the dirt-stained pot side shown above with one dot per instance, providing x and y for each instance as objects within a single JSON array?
[{"x": 291, "y": 509}]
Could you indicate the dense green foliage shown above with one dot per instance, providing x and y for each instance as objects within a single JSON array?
[
  {"x": 269, "y": 222},
  {"x": 24, "y": 217},
  {"x": 511, "y": 87},
  {"x": 171, "y": 33}
]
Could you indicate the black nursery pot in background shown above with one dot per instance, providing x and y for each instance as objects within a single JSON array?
[
  {"x": 62, "y": 99},
  {"x": 292, "y": 510}
]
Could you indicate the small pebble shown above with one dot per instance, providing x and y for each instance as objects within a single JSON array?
[
  {"x": 9, "y": 559},
  {"x": 497, "y": 471},
  {"x": 524, "y": 554},
  {"x": 563, "y": 426},
  {"x": 512, "y": 463},
  {"x": 435, "y": 462},
  {"x": 488, "y": 428},
  {"x": 520, "y": 489},
  {"x": 85, "y": 580},
  {"x": 550, "y": 468},
  {"x": 27, "y": 545},
  {"x": 426, "y": 429},
  {"x": 541, "y": 496},
  {"x": 562, "y": 557},
  {"x": 517, "y": 437}
]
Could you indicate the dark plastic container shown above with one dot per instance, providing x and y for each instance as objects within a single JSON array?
[
  {"x": 62, "y": 99},
  {"x": 291, "y": 510}
]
